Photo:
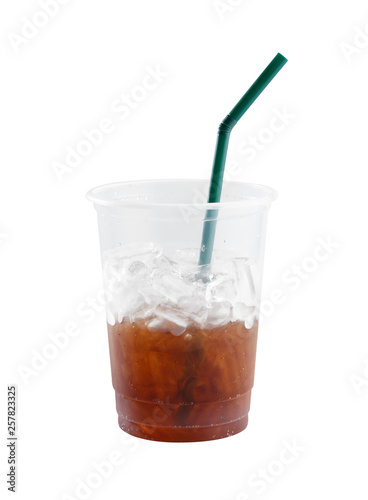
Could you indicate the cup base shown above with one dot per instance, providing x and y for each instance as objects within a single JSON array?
[
  {"x": 183, "y": 435},
  {"x": 183, "y": 423}
]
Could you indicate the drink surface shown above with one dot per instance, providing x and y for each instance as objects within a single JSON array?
[{"x": 191, "y": 387}]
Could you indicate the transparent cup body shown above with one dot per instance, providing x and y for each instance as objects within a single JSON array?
[{"x": 182, "y": 339}]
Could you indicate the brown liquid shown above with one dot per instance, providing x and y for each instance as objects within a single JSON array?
[{"x": 194, "y": 387}]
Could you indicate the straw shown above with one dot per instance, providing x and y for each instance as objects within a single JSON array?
[{"x": 226, "y": 126}]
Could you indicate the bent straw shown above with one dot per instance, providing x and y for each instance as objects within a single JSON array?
[{"x": 225, "y": 128}]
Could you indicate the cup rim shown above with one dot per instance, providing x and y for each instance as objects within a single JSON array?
[{"x": 266, "y": 195}]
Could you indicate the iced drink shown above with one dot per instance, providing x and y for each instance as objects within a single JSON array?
[
  {"x": 182, "y": 345},
  {"x": 182, "y": 333}
]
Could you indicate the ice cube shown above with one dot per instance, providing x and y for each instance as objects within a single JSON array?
[
  {"x": 162, "y": 266},
  {"x": 164, "y": 325},
  {"x": 112, "y": 269},
  {"x": 113, "y": 285},
  {"x": 153, "y": 296},
  {"x": 244, "y": 313},
  {"x": 125, "y": 303},
  {"x": 245, "y": 287},
  {"x": 110, "y": 317},
  {"x": 172, "y": 287},
  {"x": 169, "y": 319},
  {"x": 219, "y": 314},
  {"x": 146, "y": 311},
  {"x": 220, "y": 289},
  {"x": 194, "y": 307},
  {"x": 187, "y": 261},
  {"x": 121, "y": 262},
  {"x": 138, "y": 268}
]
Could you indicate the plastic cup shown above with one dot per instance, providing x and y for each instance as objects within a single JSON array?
[{"x": 182, "y": 347}]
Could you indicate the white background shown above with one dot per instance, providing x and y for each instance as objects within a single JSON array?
[{"x": 312, "y": 369}]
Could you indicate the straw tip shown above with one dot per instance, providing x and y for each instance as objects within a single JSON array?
[{"x": 281, "y": 57}]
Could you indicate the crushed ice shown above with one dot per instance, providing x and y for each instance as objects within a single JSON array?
[{"x": 170, "y": 295}]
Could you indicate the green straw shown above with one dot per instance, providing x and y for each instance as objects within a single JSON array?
[{"x": 209, "y": 226}]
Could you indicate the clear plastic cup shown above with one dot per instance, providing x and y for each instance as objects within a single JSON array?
[{"x": 182, "y": 339}]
